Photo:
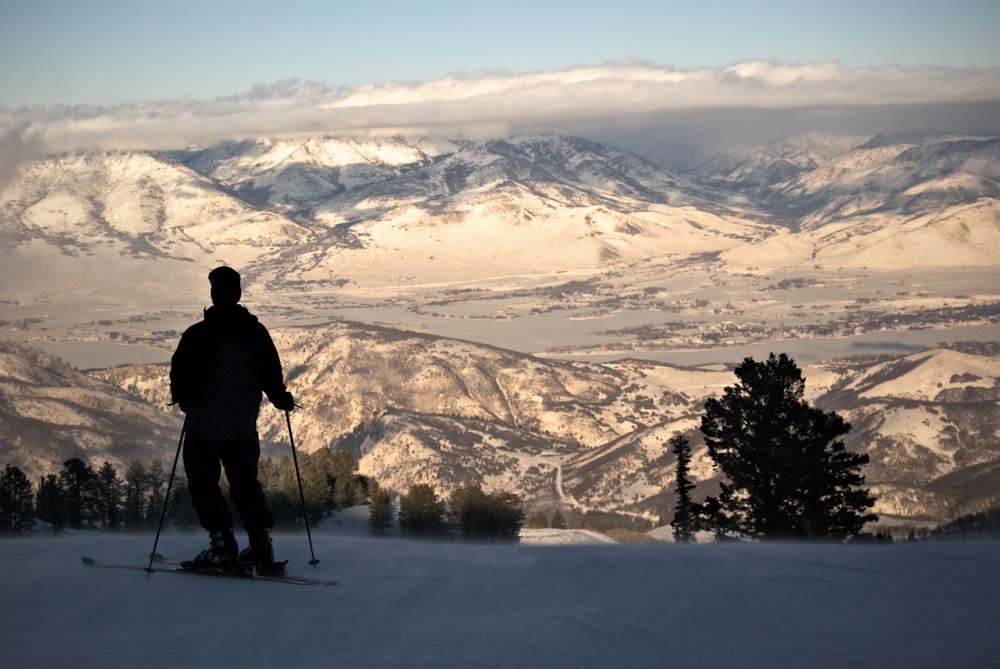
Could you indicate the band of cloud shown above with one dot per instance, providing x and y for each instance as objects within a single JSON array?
[{"x": 473, "y": 102}]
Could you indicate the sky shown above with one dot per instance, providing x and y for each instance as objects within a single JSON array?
[
  {"x": 107, "y": 52},
  {"x": 79, "y": 74}
]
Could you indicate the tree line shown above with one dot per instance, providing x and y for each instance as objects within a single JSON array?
[
  {"x": 469, "y": 512},
  {"x": 78, "y": 497}
]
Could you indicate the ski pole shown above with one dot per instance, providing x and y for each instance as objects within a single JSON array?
[
  {"x": 302, "y": 495},
  {"x": 170, "y": 484}
]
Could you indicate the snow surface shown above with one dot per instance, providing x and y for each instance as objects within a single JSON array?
[{"x": 556, "y": 600}]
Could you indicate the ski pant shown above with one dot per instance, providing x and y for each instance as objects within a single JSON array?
[{"x": 203, "y": 463}]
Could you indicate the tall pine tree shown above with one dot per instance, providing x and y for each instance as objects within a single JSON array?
[
  {"x": 110, "y": 496},
  {"x": 684, "y": 517},
  {"x": 136, "y": 496},
  {"x": 380, "y": 510},
  {"x": 79, "y": 485},
  {"x": 50, "y": 502},
  {"x": 156, "y": 482},
  {"x": 789, "y": 474},
  {"x": 421, "y": 511},
  {"x": 17, "y": 507}
]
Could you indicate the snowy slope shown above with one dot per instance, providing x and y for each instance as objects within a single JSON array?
[
  {"x": 927, "y": 376},
  {"x": 893, "y": 201},
  {"x": 414, "y": 604}
]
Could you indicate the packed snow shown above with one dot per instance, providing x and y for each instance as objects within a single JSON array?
[{"x": 559, "y": 599}]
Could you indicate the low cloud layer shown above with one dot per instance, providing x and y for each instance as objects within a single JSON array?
[{"x": 617, "y": 97}]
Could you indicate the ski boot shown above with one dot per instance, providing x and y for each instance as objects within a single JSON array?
[
  {"x": 221, "y": 554},
  {"x": 260, "y": 554}
]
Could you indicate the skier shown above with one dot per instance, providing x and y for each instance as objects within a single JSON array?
[{"x": 217, "y": 374}]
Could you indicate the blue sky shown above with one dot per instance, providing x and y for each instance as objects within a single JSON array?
[{"x": 109, "y": 52}]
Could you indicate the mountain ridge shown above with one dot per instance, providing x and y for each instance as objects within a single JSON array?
[
  {"x": 415, "y": 408},
  {"x": 286, "y": 208}
]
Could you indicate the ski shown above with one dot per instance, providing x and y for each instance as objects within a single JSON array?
[
  {"x": 283, "y": 578},
  {"x": 171, "y": 567}
]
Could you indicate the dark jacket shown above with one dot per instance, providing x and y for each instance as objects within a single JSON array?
[{"x": 219, "y": 370}]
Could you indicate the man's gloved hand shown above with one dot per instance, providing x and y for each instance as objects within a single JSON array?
[{"x": 285, "y": 402}]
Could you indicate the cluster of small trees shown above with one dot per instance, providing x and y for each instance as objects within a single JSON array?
[
  {"x": 475, "y": 514},
  {"x": 80, "y": 498},
  {"x": 539, "y": 520},
  {"x": 787, "y": 472},
  {"x": 982, "y": 525},
  {"x": 330, "y": 482}
]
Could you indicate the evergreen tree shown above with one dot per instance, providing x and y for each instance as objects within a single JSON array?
[
  {"x": 284, "y": 508},
  {"x": 684, "y": 517},
  {"x": 110, "y": 491},
  {"x": 180, "y": 508},
  {"x": 468, "y": 505},
  {"x": 345, "y": 487},
  {"x": 538, "y": 520},
  {"x": 559, "y": 520},
  {"x": 269, "y": 475},
  {"x": 136, "y": 496},
  {"x": 380, "y": 510},
  {"x": 350, "y": 487},
  {"x": 50, "y": 502},
  {"x": 17, "y": 507},
  {"x": 505, "y": 516},
  {"x": 487, "y": 516},
  {"x": 79, "y": 485},
  {"x": 284, "y": 501},
  {"x": 317, "y": 471},
  {"x": 421, "y": 511},
  {"x": 788, "y": 472},
  {"x": 156, "y": 484},
  {"x": 711, "y": 515}
]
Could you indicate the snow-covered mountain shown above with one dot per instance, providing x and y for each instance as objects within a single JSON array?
[
  {"x": 896, "y": 200},
  {"x": 337, "y": 210},
  {"x": 50, "y": 412},
  {"x": 97, "y": 222},
  {"x": 469, "y": 209},
  {"x": 538, "y": 244}
]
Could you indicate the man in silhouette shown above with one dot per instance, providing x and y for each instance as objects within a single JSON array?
[{"x": 217, "y": 374}]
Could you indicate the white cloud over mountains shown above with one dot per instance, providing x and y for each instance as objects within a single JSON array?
[{"x": 616, "y": 94}]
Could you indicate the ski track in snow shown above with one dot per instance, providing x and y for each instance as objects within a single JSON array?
[{"x": 407, "y": 603}]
